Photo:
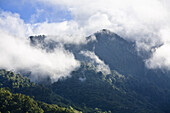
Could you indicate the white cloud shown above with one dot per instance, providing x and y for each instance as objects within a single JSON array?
[
  {"x": 12, "y": 24},
  {"x": 98, "y": 63},
  {"x": 65, "y": 32},
  {"x": 17, "y": 54},
  {"x": 138, "y": 20},
  {"x": 161, "y": 55},
  {"x": 130, "y": 14}
]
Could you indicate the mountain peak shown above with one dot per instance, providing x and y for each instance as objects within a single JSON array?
[
  {"x": 105, "y": 31},
  {"x": 37, "y": 39},
  {"x": 107, "y": 35}
]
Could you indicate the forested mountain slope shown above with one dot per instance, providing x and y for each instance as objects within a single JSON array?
[
  {"x": 112, "y": 77},
  {"x": 16, "y": 90}
]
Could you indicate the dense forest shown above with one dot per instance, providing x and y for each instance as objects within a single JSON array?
[
  {"x": 19, "y": 95},
  {"x": 20, "y": 103}
]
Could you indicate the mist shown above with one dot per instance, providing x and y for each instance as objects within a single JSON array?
[
  {"x": 100, "y": 66},
  {"x": 142, "y": 21}
]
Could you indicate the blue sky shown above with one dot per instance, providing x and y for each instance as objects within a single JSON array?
[{"x": 33, "y": 12}]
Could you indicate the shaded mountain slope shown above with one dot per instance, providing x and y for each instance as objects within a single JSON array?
[
  {"x": 118, "y": 53},
  {"x": 107, "y": 92}
]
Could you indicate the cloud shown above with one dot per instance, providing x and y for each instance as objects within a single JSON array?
[
  {"x": 124, "y": 14},
  {"x": 141, "y": 21},
  {"x": 137, "y": 20},
  {"x": 65, "y": 32},
  {"x": 17, "y": 54},
  {"x": 12, "y": 24},
  {"x": 100, "y": 66},
  {"x": 161, "y": 56}
]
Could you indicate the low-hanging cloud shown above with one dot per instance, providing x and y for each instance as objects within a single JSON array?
[
  {"x": 17, "y": 54},
  {"x": 100, "y": 66},
  {"x": 161, "y": 56}
]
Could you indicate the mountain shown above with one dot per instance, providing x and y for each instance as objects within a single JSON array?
[
  {"x": 116, "y": 52},
  {"x": 134, "y": 84},
  {"x": 112, "y": 77},
  {"x": 107, "y": 92}
]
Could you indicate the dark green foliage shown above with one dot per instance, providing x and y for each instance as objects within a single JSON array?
[
  {"x": 17, "y": 103},
  {"x": 16, "y": 83},
  {"x": 116, "y": 92},
  {"x": 13, "y": 81},
  {"x": 95, "y": 94},
  {"x": 19, "y": 84},
  {"x": 101, "y": 91},
  {"x": 55, "y": 109}
]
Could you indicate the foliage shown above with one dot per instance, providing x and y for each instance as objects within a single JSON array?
[
  {"x": 19, "y": 84},
  {"x": 16, "y": 83},
  {"x": 17, "y": 103},
  {"x": 107, "y": 92}
]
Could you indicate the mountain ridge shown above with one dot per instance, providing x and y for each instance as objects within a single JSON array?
[{"x": 129, "y": 86}]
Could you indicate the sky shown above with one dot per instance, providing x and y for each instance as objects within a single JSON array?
[
  {"x": 146, "y": 22},
  {"x": 34, "y": 12}
]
